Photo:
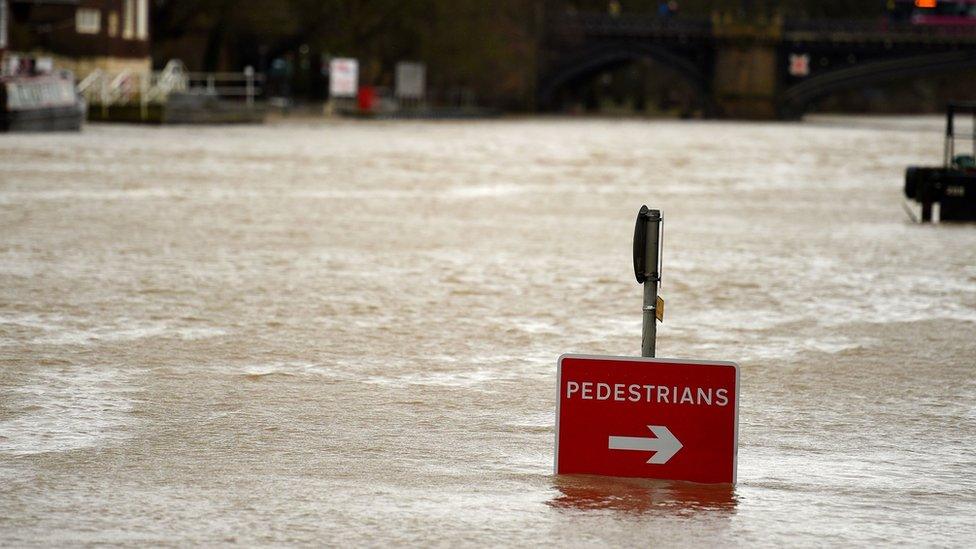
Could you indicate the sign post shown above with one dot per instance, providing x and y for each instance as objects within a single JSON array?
[
  {"x": 647, "y": 269},
  {"x": 645, "y": 417}
]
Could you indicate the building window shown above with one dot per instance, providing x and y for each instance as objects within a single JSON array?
[
  {"x": 113, "y": 23},
  {"x": 142, "y": 19},
  {"x": 129, "y": 19},
  {"x": 88, "y": 21},
  {"x": 3, "y": 25}
]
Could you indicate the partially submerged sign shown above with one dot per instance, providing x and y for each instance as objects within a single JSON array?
[{"x": 651, "y": 418}]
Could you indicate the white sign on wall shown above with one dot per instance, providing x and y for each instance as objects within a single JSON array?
[
  {"x": 410, "y": 80},
  {"x": 343, "y": 77}
]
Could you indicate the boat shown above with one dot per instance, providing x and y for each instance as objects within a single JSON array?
[
  {"x": 951, "y": 187},
  {"x": 35, "y": 98}
]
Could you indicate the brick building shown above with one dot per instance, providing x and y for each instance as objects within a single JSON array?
[{"x": 80, "y": 35}]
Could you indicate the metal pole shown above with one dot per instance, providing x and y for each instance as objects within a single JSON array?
[
  {"x": 652, "y": 274},
  {"x": 949, "y": 138},
  {"x": 104, "y": 90},
  {"x": 144, "y": 94},
  {"x": 249, "y": 84}
]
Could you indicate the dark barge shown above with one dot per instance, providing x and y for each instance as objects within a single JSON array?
[{"x": 953, "y": 186}]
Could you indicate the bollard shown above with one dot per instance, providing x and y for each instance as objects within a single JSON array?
[
  {"x": 144, "y": 95},
  {"x": 249, "y": 85},
  {"x": 647, "y": 270}
]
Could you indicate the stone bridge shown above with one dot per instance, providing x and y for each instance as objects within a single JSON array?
[{"x": 771, "y": 68}]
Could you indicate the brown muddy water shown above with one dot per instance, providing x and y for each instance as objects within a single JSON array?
[{"x": 347, "y": 333}]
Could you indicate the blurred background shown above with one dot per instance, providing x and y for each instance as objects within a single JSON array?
[{"x": 690, "y": 58}]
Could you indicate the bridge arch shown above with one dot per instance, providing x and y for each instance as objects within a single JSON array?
[
  {"x": 795, "y": 100},
  {"x": 595, "y": 60}
]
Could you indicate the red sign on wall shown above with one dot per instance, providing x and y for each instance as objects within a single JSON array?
[
  {"x": 645, "y": 417},
  {"x": 799, "y": 64}
]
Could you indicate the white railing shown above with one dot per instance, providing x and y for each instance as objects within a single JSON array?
[
  {"x": 103, "y": 90},
  {"x": 90, "y": 81},
  {"x": 173, "y": 78},
  {"x": 232, "y": 85}
]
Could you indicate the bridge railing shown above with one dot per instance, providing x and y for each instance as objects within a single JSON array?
[
  {"x": 880, "y": 26},
  {"x": 649, "y": 25},
  {"x": 629, "y": 25}
]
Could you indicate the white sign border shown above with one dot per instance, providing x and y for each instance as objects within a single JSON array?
[{"x": 559, "y": 384}]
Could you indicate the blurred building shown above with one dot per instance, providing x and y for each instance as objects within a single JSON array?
[{"x": 79, "y": 35}]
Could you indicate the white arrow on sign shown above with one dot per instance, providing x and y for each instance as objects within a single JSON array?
[{"x": 665, "y": 445}]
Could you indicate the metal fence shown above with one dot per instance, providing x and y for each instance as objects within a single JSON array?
[{"x": 104, "y": 90}]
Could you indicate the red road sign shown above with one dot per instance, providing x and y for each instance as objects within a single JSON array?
[{"x": 646, "y": 417}]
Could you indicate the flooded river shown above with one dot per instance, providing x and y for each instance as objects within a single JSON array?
[{"x": 346, "y": 333}]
